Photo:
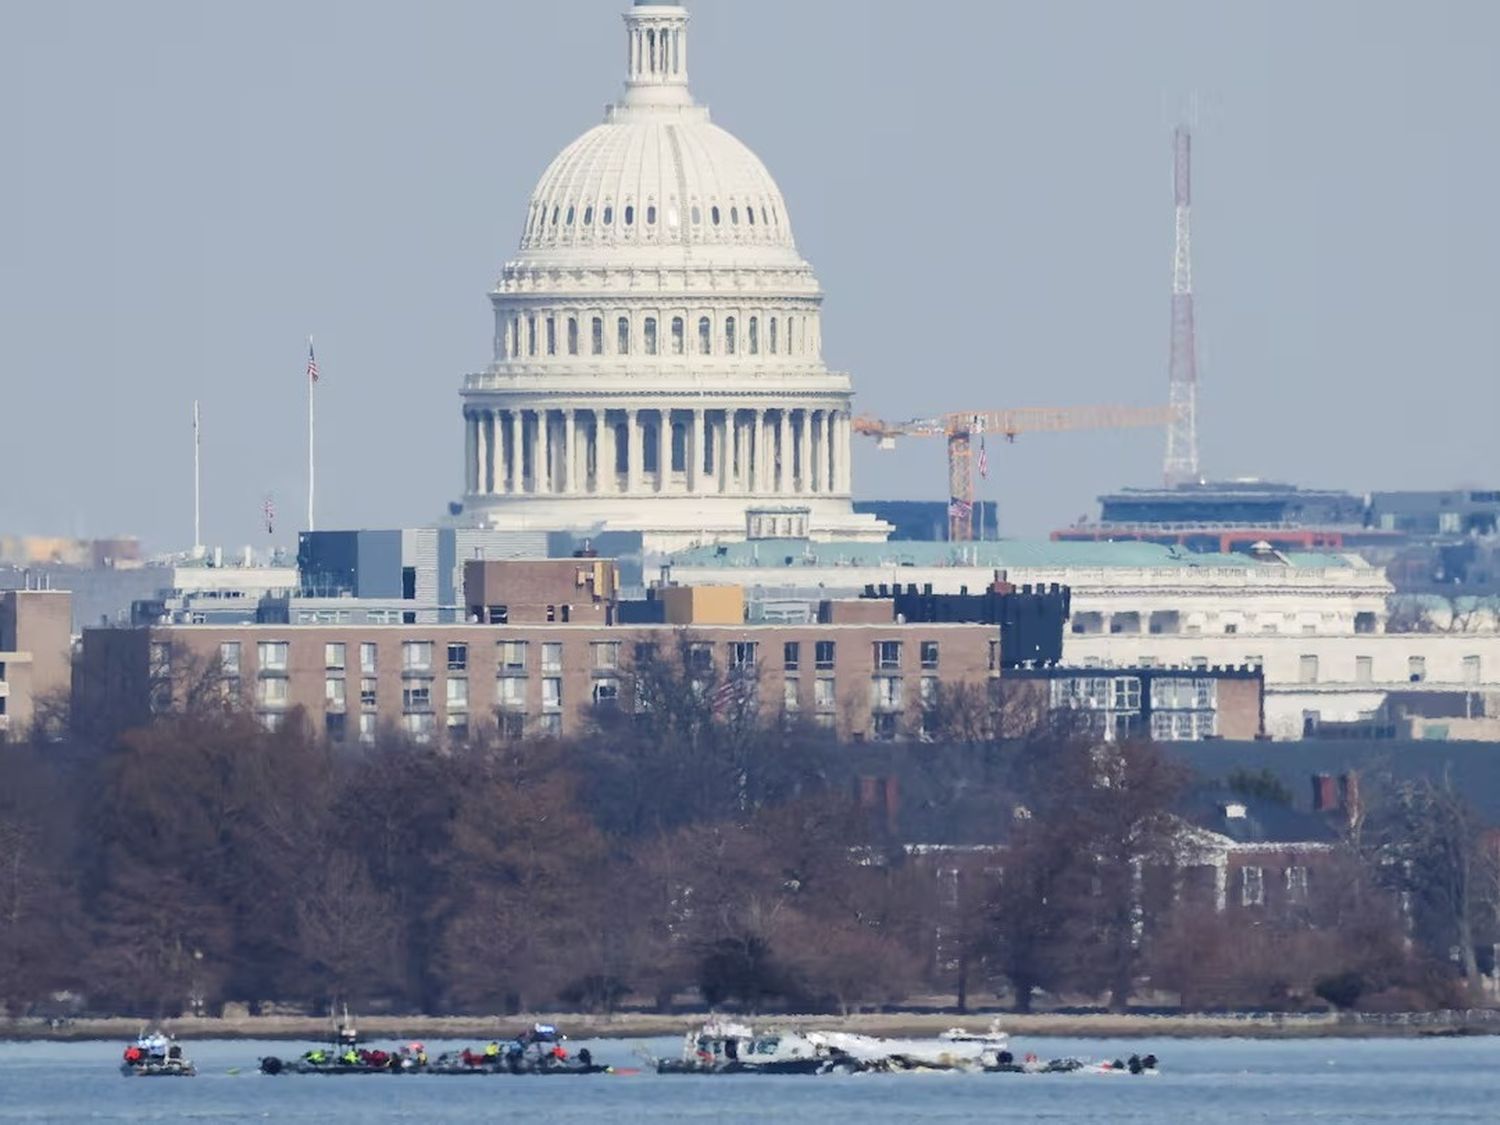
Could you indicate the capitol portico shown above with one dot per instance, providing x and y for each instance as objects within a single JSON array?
[{"x": 657, "y": 348}]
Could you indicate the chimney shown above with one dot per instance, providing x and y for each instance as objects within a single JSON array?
[{"x": 1325, "y": 793}]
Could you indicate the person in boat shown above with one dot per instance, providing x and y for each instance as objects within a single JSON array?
[
  {"x": 134, "y": 1055},
  {"x": 492, "y": 1051},
  {"x": 317, "y": 1056},
  {"x": 350, "y": 1057}
]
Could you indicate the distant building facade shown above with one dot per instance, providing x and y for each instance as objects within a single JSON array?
[{"x": 35, "y": 655}]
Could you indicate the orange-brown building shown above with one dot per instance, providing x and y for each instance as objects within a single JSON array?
[{"x": 35, "y": 654}]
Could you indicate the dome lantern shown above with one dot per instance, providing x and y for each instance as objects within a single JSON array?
[{"x": 656, "y": 55}]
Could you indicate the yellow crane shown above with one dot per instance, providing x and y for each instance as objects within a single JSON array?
[{"x": 963, "y": 426}]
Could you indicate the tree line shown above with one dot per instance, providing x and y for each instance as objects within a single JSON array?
[{"x": 688, "y": 852}]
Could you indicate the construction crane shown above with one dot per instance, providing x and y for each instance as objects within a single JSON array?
[{"x": 962, "y": 427}]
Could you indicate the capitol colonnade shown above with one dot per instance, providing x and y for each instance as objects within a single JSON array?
[{"x": 630, "y": 451}]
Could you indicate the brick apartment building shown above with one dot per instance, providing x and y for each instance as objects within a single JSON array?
[{"x": 543, "y": 648}]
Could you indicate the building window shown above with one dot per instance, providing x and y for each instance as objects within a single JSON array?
[
  {"x": 419, "y": 724},
  {"x": 754, "y": 338},
  {"x": 510, "y": 693},
  {"x": 271, "y": 692},
  {"x": 333, "y": 656},
  {"x": 1364, "y": 669},
  {"x": 1127, "y": 693},
  {"x": 271, "y": 655},
  {"x": 572, "y": 335},
  {"x": 1296, "y": 885},
  {"x": 1416, "y": 669},
  {"x": 550, "y": 725},
  {"x": 742, "y": 656},
  {"x": 416, "y": 694},
  {"x": 498, "y": 614},
  {"x": 606, "y": 692},
  {"x": 606, "y": 655},
  {"x": 367, "y": 728},
  {"x": 823, "y": 694},
  {"x": 416, "y": 656},
  {"x": 367, "y": 659},
  {"x": 552, "y": 694},
  {"x": 705, "y": 336},
  {"x": 622, "y": 336},
  {"x": 458, "y": 727},
  {"x": 1308, "y": 669},
  {"x": 823, "y": 656},
  {"x": 791, "y": 655},
  {"x": 530, "y": 335},
  {"x": 677, "y": 335},
  {"x": 929, "y": 655},
  {"x": 512, "y": 725},
  {"x": 551, "y": 335},
  {"x": 887, "y": 656},
  {"x": 367, "y": 693},
  {"x": 458, "y": 693},
  {"x": 888, "y": 693},
  {"x": 1471, "y": 669},
  {"x": 790, "y": 695},
  {"x": 650, "y": 335},
  {"x": 458, "y": 657},
  {"x": 928, "y": 687},
  {"x": 334, "y": 725},
  {"x": 700, "y": 658},
  {"x": 729, "y": 335},
  {"x": 333, "y": 692},
  {"x": 596, "y": 339},
  {"x": 994, "y": 662},
  {"x": 229, "y": 659},
  {"x": 643, "y": 652},
  {"x": 1252, "y": 886},
  {"x": 552, "y": 656}
]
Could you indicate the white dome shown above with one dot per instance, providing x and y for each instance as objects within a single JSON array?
[{"x": 656, "y": 178}]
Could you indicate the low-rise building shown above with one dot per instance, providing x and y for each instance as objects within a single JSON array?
[{"x": 35, "y": 654}]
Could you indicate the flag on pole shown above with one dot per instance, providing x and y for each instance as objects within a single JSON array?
[
  {"x": 960, "y": 509},
  {"x": 312, "y": 363},
  {"x": 984, "y": 459}
]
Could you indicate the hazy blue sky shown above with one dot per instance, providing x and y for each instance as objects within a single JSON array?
[{"x": 984, "y": 189}]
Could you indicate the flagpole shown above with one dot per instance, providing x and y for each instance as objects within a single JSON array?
[
  {"x": 310, "y": 432},
  {"x": 197, "y": 490}
]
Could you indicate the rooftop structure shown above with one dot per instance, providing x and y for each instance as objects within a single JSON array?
[{"x": 657, "y": 351}]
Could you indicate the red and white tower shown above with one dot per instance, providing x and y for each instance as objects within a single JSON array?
[{"x": 1181, "y": 465}]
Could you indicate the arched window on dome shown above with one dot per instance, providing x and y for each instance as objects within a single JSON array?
[
  {"x": 674, "y": 218},
  {"x": 650, "y": 335},
  {"x": 697, "y": 215},
  {"x": 750, "y": 214},
  {"x": 596, "y": 343},
  {"x": 629, "y": 215},
  {"x": 530, "y": 335},
  {"x": 588, "y": 215},
  {"x": 572, "y": 335},
  {"x": 754, "y": 337},
  {"x": 713, "y": 214},
  {"x": 677, "y": 334},
  {"x": 764, "y": 221},
  {"x": 569, "y": 219},
  {"x": 515, "y": 336},
  {"x": 791, "y": 337},
  {"x": 609, "y": 215},
  {"x": 551, "y": 336},
  {"x": 734, "y": 216},
  {"x": 622, "y": 336},
  {"x": 705, "y": 336},
  {"x": 651, "y": 49},
  {"x": 729, "y": 335},
  {"x": 554, "y": 216},
  {"x": 679, "y": 447},
  {"x": 650, "y": 214}
]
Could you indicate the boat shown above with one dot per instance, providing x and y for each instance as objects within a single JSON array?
[
  {"x": 537, "y": 1050},
  {"x": 344, "y": 1055},
  {"x": 156, "y": 1055},
  {"x": 722, "y": 1047}
]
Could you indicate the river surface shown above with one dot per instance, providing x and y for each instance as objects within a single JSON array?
[{"x": 1230, "y": 1080}]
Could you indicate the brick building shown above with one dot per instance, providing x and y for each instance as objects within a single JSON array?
[
  {"x": 541, "y": 652},
  {"x": 35, "y": 653}
]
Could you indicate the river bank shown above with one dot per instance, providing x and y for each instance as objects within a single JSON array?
[{"x": 638, "y": 1025}]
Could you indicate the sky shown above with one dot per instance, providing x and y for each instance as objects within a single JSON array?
[{"x": 189, "y": 188}]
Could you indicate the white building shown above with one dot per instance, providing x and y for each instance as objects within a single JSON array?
[
  {"x": 1315, "y": 623},
  {"x": 657, "y": 352}
]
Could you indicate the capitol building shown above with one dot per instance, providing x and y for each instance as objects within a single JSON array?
[{"x": 658, "y": 360}]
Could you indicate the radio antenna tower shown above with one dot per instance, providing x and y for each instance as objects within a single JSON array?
[{"x": 1181, "y": 465}]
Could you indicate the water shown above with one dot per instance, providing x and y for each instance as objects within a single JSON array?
[{"x": 1240, "y": 1081}]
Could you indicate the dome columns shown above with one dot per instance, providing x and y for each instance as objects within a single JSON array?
[{"x": 759, "y": 452}]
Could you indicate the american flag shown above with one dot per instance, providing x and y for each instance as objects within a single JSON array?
[
  {"x": 984, "y": 460},
  {"x": 312, "y": 363},
  {"x": 960, "y": 509}
]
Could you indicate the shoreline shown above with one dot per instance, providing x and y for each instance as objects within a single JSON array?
[{"x": 633, "y": 1025}]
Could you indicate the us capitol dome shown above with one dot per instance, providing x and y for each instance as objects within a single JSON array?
[{"x": 658, "y": 349}]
